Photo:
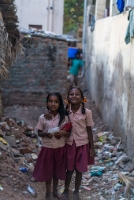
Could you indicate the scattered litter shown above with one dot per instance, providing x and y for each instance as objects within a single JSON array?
[
  {"x": 112, "y": 176},
  {"x": 61, "y": 190},
  {"x": 3, "y": 141},
  {"x": 87, "y": 188},
  {"x": 15, "y": 154},
  {"x": 1, "y": 188},
  {"x": 99, "y": 173},
  {"x": 102, "y": 138},
  {"x": 117, "y": 186},
  {"x": 34, "y": 156},
  {"x": 23, "y": 169},
  {"x": 17, "y": 141},
  {"x": 97, "y": 168},
  {"x": 32, "y": 191}
]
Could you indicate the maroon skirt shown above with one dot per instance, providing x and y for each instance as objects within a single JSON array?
[
  {"x": 50, "y": 162},
  {"x": 78, "y": 157}
]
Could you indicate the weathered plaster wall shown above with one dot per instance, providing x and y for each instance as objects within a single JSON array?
[
  {"x": 110, "y": 76},
  {"x": 42, "y": 69}
]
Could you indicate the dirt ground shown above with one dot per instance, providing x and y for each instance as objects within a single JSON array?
[
  {"x": 103, "y": 189},
  {"x": 29, "y": 115}
]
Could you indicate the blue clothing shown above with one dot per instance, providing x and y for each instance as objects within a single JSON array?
[
  {"x": 76, "y": 64},
  {"x": 120, "y": 5}
]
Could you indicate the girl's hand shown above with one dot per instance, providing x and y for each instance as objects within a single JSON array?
[
  {"x": 92, "y": 152},
  {"x": 60, "y": 134},
  {"x": 48, "y": 135},
  {"x": 47, "y": 116}
]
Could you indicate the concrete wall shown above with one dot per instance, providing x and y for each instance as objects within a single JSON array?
[
  {"x": 42, "y": 69},
  {"x": 100, "y": 9},
  {"x": 38, "y": 12},
  {"x": 110, "y": 76}
]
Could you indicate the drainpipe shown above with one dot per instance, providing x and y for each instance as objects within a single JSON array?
[
  {"x": 51, "y": 16},
  {"x": 84, "y": 38},
  {"x": 53, "y": 3},
  {"x": 111, "y": 8},
  {"x": 48, "y": 15}
]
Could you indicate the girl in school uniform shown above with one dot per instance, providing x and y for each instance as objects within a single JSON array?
[
  {"x": 51, "y": 162},
  {"x": 80, "y": 146}
]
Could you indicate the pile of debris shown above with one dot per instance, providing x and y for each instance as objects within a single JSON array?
[
  {"x": 19, "y": 149},
  {"x": 112, "y": 176}
]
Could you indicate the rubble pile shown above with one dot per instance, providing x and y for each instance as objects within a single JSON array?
[
  {"x": 111, "y": 178},
  {"x": 18, "y": 152}
]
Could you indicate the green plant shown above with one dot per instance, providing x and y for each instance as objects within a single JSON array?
[{"x": 73, "y": 14}]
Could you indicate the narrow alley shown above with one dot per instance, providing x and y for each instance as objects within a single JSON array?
[
  {"x": 108, "y": 179},
  {"x": 46, "y": 47}
]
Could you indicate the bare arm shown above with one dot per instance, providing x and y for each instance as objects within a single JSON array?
[
  {"x": 43, "y": 134},
  {"x": 62, "y": 134},
  {"x": 66, "y": 134},
  {"x": 90, "y": 137}
]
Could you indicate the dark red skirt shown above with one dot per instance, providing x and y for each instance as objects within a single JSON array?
[
  {"x": 78, "y": 157},
  {"x": 50, "y": 162}
]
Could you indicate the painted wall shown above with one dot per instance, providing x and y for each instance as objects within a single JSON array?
[
  {"x": 110, "y": 76},
  {"x": 38, "y": 12}
]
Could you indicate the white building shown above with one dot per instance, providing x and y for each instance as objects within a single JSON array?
[{"x": 43, "y": 14}]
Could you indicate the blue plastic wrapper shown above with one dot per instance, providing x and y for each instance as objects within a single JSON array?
[
  {"x": 99, "y": 173},
  {"x": 23, "y": 169},
  {"x": 96, "y": 171}
]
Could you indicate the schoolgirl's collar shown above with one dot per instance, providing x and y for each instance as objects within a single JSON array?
[
  {"x": 77, "y": 112},
  {"x": 56, "y": 116}
]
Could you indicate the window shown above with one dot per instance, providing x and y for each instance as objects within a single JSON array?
[{"x": 36, "y": 26}]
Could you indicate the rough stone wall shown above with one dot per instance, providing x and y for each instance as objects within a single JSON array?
[
  {"x": 110, "y": 76},
  {"x": 42, "y": 69}
]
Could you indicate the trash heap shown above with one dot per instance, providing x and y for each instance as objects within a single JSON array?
[
  {"x": 19, "y": 148},
  {"x": 112, "y": 176}
]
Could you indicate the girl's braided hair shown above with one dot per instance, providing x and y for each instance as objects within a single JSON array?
[
  {"x": 61, "y": 109},
  {"x": 82, "y": 96}
]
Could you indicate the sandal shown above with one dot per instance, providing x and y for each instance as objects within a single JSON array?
[
  {"x": 48, "y": 197},
  {"x": 65, "y": 196}
]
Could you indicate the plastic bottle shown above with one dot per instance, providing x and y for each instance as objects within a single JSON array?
[{"x": 32, "y": 191}]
